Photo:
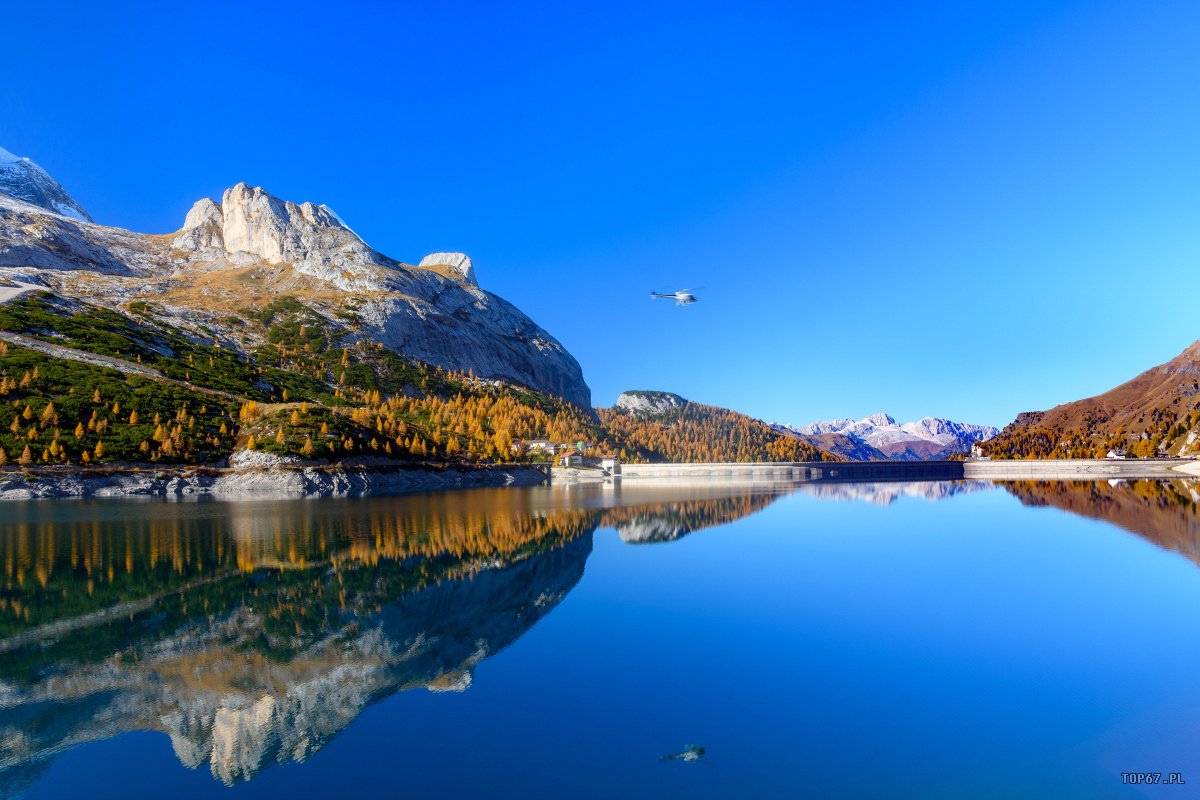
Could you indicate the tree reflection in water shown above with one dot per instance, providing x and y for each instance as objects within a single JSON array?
[
  {"x": 253, "y": 633},
  {"x": 1166, "y": 513}
]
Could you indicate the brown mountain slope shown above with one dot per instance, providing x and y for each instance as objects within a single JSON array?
[
  {"x": 839, "y": 444},
  {"x": 1156, "y": 413}
]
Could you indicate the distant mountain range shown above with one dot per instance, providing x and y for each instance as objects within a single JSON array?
[
  {"x": 879, "y": 437},
  {"x": 1156, "y": 413}
]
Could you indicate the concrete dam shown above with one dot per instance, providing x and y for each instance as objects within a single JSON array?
[{"x": 852, "y": 471}]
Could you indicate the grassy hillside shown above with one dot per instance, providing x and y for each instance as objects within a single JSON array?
[{"x": 293, "y": 384}]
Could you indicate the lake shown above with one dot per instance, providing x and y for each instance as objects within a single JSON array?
[{"x": 707, "y": 640}]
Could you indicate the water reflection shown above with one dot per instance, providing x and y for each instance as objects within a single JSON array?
[
  {"x": 1166, "y": 513},
  {"x": 253, "y": 633},
  {"x": 886, "y": 493}
]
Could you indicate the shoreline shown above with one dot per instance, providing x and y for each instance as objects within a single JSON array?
[{"x": 280, "y": 481}]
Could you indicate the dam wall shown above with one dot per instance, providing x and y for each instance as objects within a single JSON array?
[
  {"x": 848, "y": 471},
  {"x": 801, "y": 471}
]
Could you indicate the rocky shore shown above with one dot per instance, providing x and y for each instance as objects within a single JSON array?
[{"x": 260, "y": 481}]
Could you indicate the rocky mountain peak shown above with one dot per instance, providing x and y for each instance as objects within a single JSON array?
[
  {"x": 250, "y": 222},
  {"x": 438, "y": 314},
  {"x": 23, "y": 179},
  {"x": 640, "y": 401},
  {"x": 458, "y": 263},
  {"x": 203, "y": 214}
]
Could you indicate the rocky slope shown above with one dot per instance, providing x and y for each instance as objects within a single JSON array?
[
  {"x": 251, "y": 248},
  {"x": 648, "y": 403},
  {"x": 879, "y": 437},
  {"x": 24, "y": 180},
  {"x": 1156, "y": 413}
]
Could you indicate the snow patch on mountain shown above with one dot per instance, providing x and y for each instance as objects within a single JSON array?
[
  {"x": 926, "y": 438},
  {"x": 23, "y": 179}
]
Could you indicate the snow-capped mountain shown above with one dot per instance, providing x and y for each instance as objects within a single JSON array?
[
  {"x": 879, "y": 437},
  {"x": 25, "y": 180}
]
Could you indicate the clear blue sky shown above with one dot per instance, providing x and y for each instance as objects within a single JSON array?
[{"x": 953, "y": 209}]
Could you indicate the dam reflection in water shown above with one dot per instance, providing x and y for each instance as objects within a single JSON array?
[{"x": 252, "y": 634}]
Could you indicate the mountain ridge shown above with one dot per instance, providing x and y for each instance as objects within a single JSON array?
[
  {"x": 26, "y": 180},
  {"x": 878, "y": 437},
  {"x": 253, "y": 247},
  {"x": 1157, "y": 412}
]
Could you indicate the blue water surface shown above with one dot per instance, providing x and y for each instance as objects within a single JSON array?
[{"x": 862, "y": 641}]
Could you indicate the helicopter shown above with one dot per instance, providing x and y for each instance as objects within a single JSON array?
[{"x": 683, "y": 297}]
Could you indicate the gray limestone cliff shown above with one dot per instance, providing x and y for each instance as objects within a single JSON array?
[
  {"x": 646, "y": 402},
  {"x": 253, "y": 242}
]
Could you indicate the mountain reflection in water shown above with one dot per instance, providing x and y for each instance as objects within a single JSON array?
[
  {"x": 884, "y": 494},
  {"x": 253, "y": 633},
  {"x": 1165, "y": 512}
]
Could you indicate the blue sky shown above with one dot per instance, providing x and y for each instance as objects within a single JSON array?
[{"x": 950, "y": 209}]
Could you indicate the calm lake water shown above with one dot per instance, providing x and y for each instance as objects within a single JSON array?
[{"x": 890, "y": 640}]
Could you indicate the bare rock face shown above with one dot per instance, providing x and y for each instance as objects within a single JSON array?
[
  {"x": 457, "y": 262},
  {"x": 435, "y": 312},
  {"x": 252, "y": 224},
  {"x": 644, "y": 402},
  {"x": 23, "y": 179},
  {"x": 203, "y": 229},
  {"x": 34, "y": 238}
]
